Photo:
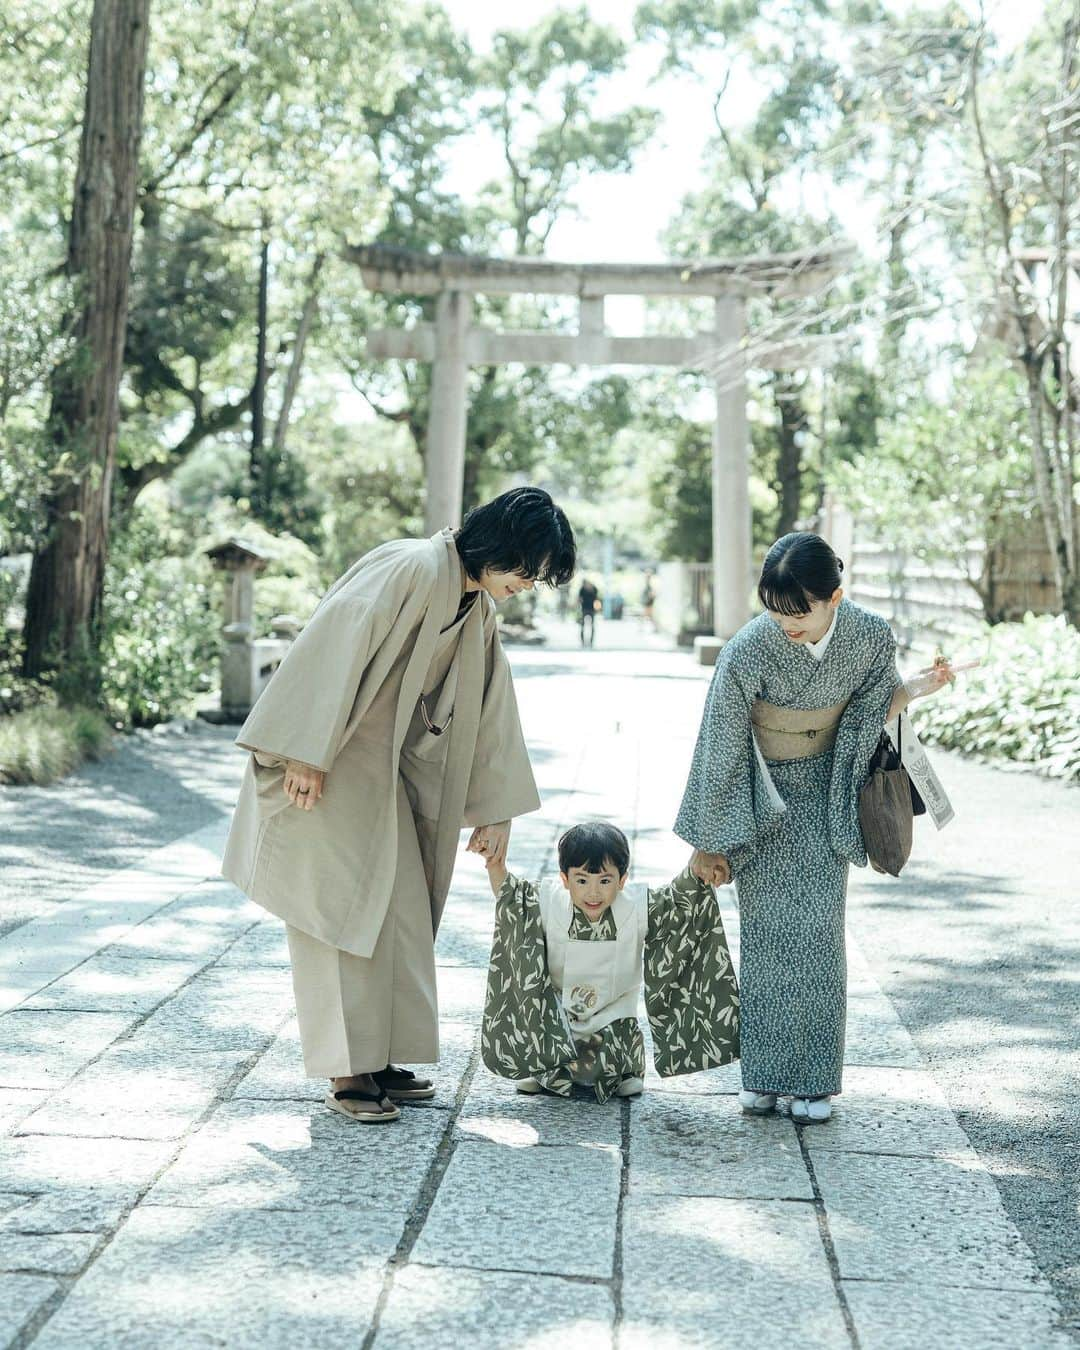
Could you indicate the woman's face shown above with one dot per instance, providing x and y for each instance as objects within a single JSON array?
[
  {"x": 811, "y": 626},
  {"x": 502, "y": 585}
]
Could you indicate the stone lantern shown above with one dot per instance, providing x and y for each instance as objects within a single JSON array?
[{"x": 246, "y": 662}]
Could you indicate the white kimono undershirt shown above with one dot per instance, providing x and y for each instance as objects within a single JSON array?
[{"x": 817, "y": 650}]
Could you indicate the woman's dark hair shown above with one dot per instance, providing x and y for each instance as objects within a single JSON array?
[
  {"x": 522, "y": 531},
  {"x": 799, "y": 569},
  {"x": 592, "y": 846}
]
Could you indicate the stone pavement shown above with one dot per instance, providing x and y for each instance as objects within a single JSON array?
[{"x": 168, "y": 1177}]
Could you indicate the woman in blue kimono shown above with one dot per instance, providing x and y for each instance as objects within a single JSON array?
[{"x": 794, "y": 712}]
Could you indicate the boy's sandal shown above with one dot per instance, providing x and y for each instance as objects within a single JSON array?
[
  {"x": 402, "y": 1085},
  {"x": 337, "y": 1101}
]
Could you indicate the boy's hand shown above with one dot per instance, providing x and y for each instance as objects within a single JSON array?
[
  {"x": 711, "y": 868},
  {"x": 303, "y": 785}
]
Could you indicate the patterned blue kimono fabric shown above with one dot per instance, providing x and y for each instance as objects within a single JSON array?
[{"x": 790, "y": 861}]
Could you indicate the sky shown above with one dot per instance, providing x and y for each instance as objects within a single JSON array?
[{"x": 621, "y": 217}]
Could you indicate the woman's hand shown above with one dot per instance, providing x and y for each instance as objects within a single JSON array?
[
  {"x": 491, "y": 841},
  {"x": 711, "y": 868},
  {"x": 303, "y": 785}
]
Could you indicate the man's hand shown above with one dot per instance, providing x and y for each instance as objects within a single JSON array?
[
  {"x": 491, "y": 841},
  {"x": 711, "y": 868},
  {"x": 303, "y": 785}
]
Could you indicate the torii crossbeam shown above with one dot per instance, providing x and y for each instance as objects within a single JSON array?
[{"x": 452, "y": 343}]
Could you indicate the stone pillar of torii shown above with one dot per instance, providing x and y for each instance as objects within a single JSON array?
[{"x": 452, "y": 343}]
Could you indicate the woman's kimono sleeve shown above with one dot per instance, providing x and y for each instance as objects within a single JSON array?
[
  {"x": 857, "y": 737},
  {"x": 524, "y": 1032},
  {"x": 501, "y": 782},
  {"x": 727, "y": 807},
  {"x": 691, "y": 994}
]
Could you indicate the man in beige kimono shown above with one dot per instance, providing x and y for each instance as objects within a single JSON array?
[{"x": 390, "y": 724}]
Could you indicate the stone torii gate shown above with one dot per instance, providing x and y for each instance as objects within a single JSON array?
[{"x": 452, "y": 343}]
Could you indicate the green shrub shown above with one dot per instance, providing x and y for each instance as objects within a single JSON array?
[
  {"x": 42, "y": 744},
  {"x": 161, "y": 628},
  {"x": 1022, "y": 704}
]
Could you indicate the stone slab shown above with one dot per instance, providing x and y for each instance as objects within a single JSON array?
[
  {"x": 705, "y": 1146},
  {"x": 300, "y": 1155},
  {"x": 75, "y": 1209},
  {"x": 928, "y": 1221},
  {"x": 876, "y": 1036},
  {"x": 204, "y": 922},
  {"x": 270, "y": 1281},
  {"x": 496, "y": 1111},
  {"x": 264, "y": 944},
  {"x": 45, "y": 1253},
  {"x": 114, "y": 1170},
  {"x": 439, "y": 1306},
  {"x": 891, "y": 1111},
  {"x": 16, "y": 1104},
  {"x": 912, "y": 1317},
  {"x": 21, "y": 1296},
  {"x": 135, "y": 1091},
  {"x": 723, "y": 1082},
  {"x": 461, "y": 993},
  {"x": 107, "y": 983},
  {"x": 240, "y": 1009},
  {"x": 706, "y": 1272},
  {"x": 513, "y": 1207},
  {"x": 45, "y": 1049}
]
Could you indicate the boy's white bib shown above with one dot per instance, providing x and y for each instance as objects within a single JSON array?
[{"x": 597, "y": 982}]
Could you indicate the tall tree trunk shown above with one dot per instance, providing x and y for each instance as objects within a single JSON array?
[
  {"x": 68, "y": 571},
  {"x": 292, "y": 380},
  {"x": 262, "y": 487},
  {"x": 787, "y": 396}
]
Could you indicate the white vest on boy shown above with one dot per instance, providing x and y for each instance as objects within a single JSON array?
[{"x": 597, "y": 982}]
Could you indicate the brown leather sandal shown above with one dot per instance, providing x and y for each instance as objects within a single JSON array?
[
  {"x": 402, "y": 1085},
  {"x": 338, "y": 1101}
]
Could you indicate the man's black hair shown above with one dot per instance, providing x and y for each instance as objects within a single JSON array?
[
  {"x": 593, "y": 846},
  {"x": 522, "y": 531},
  {"x": 799, "y": 569}
]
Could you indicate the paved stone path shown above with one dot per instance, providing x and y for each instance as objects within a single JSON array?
[{"x": 168, "y": 1177}]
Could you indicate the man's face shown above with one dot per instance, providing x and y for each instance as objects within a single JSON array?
[
  {"x": 811, "y": 626},
  {"x": 593, "y": 892},
  {"x": 502, "y": 585}
]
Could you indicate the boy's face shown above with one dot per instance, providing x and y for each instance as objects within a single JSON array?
[{"x": 593, "y": 892}]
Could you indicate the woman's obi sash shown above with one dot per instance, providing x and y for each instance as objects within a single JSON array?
[{"x": 795, "y": 733}]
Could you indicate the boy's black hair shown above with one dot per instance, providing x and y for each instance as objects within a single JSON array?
[
  {"x": 592, "y": 846},
  {"x": 799, "y": 569},
  {"x": 522, "y": 531}
]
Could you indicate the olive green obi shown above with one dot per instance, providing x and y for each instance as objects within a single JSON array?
[{"x": 795, "y": 733}]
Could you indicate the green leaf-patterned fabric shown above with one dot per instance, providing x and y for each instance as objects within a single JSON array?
[{"x": 691, "y": 994}]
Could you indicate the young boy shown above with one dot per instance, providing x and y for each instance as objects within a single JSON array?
[{"x": 567, "y": 967}]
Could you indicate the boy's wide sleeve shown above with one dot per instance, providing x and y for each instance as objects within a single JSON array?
[
  {"x": 524, "y": 1033},
  {"x": 726, "y": 807},
  {"x": 501, "y": 782},
  {"x": 691, "y": 994}
]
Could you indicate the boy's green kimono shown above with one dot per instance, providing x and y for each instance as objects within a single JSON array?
[{"x": 691, "y": 994}]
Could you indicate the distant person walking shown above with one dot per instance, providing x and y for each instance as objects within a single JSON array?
[
  {"x": 589, "y": 603},
  {"x": 648, "y": 601}
]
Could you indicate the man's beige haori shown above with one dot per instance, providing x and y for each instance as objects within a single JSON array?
[{"x": 346, "y": 700}]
